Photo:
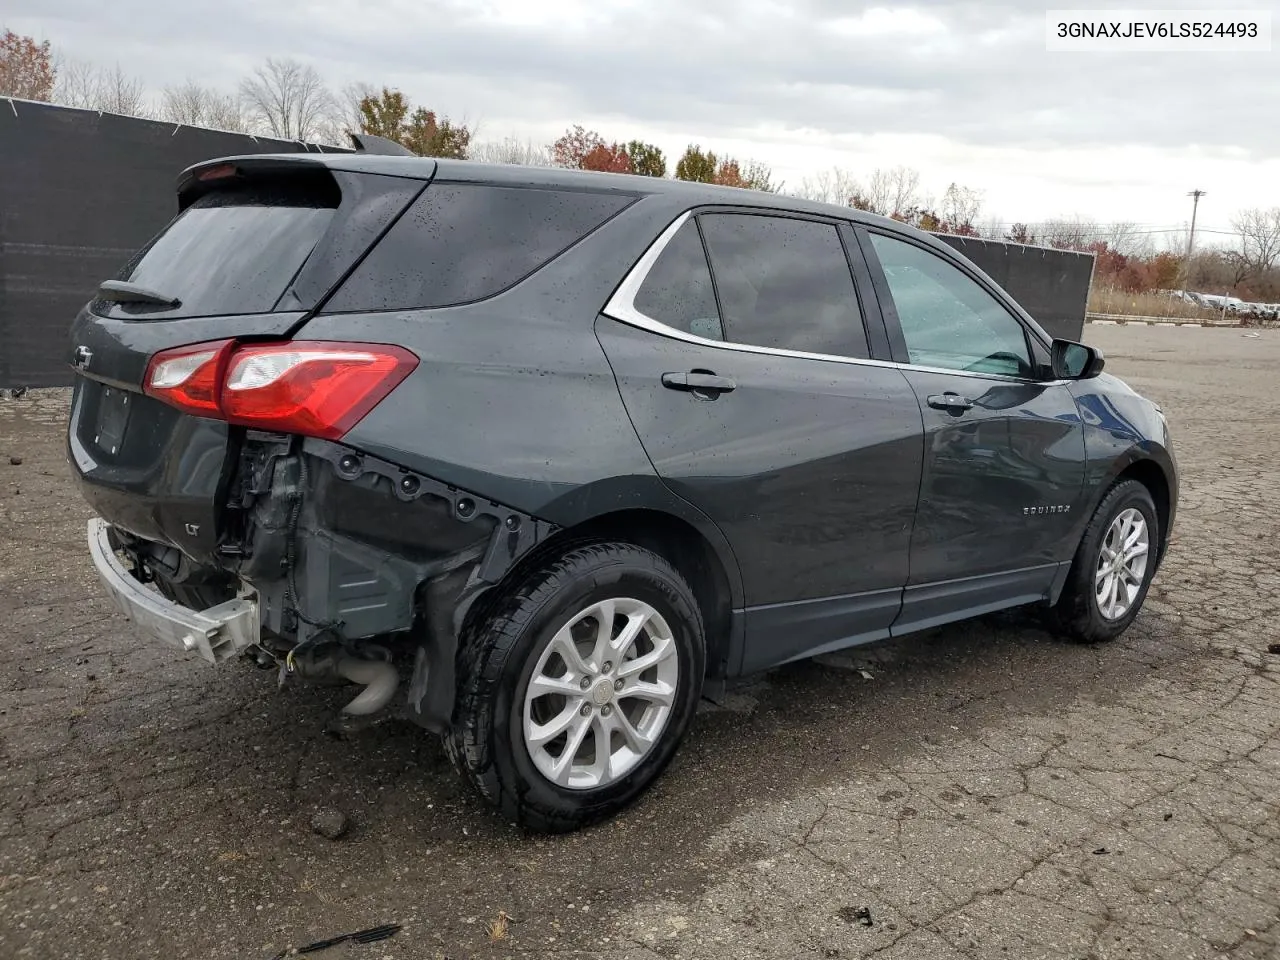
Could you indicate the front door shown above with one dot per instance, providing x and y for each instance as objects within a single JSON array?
[
  {"x": 1003, "y": 473},
  {"x": 755, "y": 400}
]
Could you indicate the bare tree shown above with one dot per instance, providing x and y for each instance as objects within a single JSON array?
[
  {"x": 992, "y": 227},
  {"x": 1074, "y": 233},
  {"x": 185, "y": 103},
  {"x": 76, "y": 84},
  {"x": 1127, "y": 238},
  {"x": 510, "y": 150},
  {"x": 198, "y": 106},
  {"x": 288, "y": 99},
  {"x": 894, "y": 191},
  {"x": 120, "y": 93},
  {"x": 226, "y": 112},
  {"x": 961, "y": 205},
  {"x": 109, "y": 89},
  {"x": 831, "y": 186},
  {"x": 1259, "y": 239}
]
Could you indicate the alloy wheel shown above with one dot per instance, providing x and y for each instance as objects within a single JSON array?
[
  {"x": 601, "y": 694},
  {"x": 1122, "y": 564}
]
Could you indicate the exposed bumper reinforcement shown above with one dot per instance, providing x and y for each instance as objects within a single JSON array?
[{"x": 217, "y": 634}]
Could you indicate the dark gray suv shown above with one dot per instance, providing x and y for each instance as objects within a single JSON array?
[{"x": 541, "y": 455}]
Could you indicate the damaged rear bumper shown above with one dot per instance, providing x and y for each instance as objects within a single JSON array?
[
  {"x": 216, "y": 634},
  {"x": 341, "y": 554}
]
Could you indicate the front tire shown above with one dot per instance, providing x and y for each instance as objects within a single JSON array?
[
  {"x": 1112, "y": 568},
  {"x": 575, "y": 689}
]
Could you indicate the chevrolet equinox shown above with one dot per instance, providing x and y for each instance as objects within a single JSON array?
[{"x": 543, "y": 456}]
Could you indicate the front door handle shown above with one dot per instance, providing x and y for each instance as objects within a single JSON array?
[
  {"x": 702, "y": 384},
  {"x": 951, "y": 402}
]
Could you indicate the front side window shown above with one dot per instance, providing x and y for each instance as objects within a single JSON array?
[
  {"x": 784, "y": 283},
  {"x": 948, "y": 320},
  {"x": 677, "y": 291}
]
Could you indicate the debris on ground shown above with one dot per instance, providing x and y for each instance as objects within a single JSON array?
[
  {"x": 866, "y": 675},
  {"x": 860, "y": 915},
  {"x": 498, "y": 927},
  {"x": 330, "y": 822},
  {"x": 372, "y": 935},
  {"x": 1273, "y": 648},
  {"x": 15, "y": 461},
  {"x": 1100, "y": 851}
]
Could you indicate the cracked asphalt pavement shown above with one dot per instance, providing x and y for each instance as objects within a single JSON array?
[{"x": 988, "y": 792}]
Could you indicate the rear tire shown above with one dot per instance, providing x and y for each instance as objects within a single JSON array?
[
  {"x": 1119, "y": 548},
  {"x": 539, "y": 661}
]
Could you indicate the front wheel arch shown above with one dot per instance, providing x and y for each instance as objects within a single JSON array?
[{"x": 1152, "y": 472}]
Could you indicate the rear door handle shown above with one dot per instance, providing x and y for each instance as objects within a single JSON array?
[
  {"x": 698, "y": 383},
  {"x": 951, "y": 402}
]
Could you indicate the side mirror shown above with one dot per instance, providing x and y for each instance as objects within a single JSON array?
[{"x": 1075, "y": 361}]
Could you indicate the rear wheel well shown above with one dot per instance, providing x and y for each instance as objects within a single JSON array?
[
  {"x": 677, "y": 541},
  {"x": 1149, "y": 474}
]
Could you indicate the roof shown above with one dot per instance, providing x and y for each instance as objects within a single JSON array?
[{"x": 471, "y": 170}]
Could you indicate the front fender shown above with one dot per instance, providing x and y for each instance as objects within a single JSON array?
[{"x": 1123, "y": 429}]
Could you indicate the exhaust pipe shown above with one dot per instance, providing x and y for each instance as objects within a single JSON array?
[{"x": 379, "y": 679}]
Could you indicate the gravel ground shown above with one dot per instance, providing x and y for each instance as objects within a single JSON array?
[{"x": 989, "y": 792}]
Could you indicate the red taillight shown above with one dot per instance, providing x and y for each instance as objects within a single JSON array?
[
  {"x": 189, "y": 378},
  {"x": 313, "y": 388},
  {"x": 316, "y": 389}
]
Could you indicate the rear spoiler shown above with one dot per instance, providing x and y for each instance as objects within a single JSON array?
[{"x": 211, "y": 174}]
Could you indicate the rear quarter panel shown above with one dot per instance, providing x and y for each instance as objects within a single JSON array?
[{"x": 514, "y": 398}]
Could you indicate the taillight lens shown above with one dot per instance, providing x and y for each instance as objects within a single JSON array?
[
  {"x": 314, "y": 388},
  {"x": 189, "y": 377}
]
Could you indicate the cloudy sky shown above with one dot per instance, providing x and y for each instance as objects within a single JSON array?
[{"x": 962, "y": 91}]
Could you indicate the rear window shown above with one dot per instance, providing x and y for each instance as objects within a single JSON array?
[
  {"x": 233, "y": 250},
  {"x": 462, "y": 242}
]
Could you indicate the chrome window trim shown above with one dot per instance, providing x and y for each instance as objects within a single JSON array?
[{"x": 621, "y": 307}]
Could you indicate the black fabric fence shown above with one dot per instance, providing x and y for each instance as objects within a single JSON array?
[
  {"x": 80, "y": 192},
  {"x": 1051, "y": 285}
]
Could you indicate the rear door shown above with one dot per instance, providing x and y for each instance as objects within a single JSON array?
[
  {"x": 740, "y": 350},
  {"x": 1004, "y": 443},
  {"x": 257, "y": 244}
]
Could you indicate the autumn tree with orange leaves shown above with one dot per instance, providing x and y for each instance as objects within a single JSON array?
[
  {"x": 387, "y": 115},
  {"x": 26, "y": 68},
  {"x": 582, "y": 149}
]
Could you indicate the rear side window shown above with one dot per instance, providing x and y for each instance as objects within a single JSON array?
[
  {"x": 234, "y": 250},
  {"x": 677, "y": 291},
  {"x": 462, "y": 242},
  {"x": 784, "y": 283}
]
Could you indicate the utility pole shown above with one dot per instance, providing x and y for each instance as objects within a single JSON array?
[{"x": 1195, "y": 196}]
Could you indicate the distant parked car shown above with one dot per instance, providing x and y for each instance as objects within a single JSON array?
[{"x": 559, "y": 448}]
